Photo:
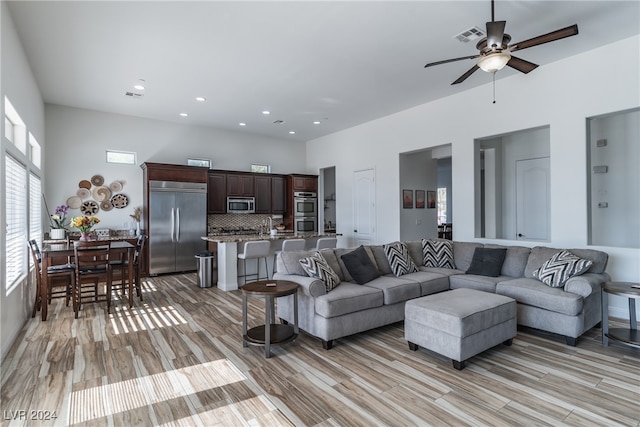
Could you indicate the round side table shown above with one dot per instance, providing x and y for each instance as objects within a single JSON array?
[
  {"x": 271, "y": 332},
  {"x": 627, "y": 336}
]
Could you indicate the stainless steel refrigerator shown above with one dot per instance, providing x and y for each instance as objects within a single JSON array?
[{"x": 177, "y": 222}]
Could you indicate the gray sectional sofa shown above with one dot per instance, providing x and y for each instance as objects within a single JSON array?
[{"x": 351, "y": 308}]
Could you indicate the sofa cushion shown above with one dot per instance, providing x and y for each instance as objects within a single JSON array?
[
  {"x": 381, "y": 259},
  {"x": 561, "y": 267},
  {"x": 395, "y": 289},
  {"x": 399, "y": 259},
  {"x": 535, "y": 293},
  {"x": 334, "y": 262},
  {"x": 487, "y": 262},
  {"x": 316, "y": 266},
  {"x": 289, "y": 262},
  {"x": 463, "y": 254},
  {"x": 474, "y": 281},
  {"x": 437, "y": 253},
  {"x": 514, "y": 261},
  {"x": 348, "y": 298},
  {"x": 443, "y": 271},
  {"x": 415, "y": 251},
  {"x": 540, "y": 254},
  {"x": 359, "y": 266},
  {"x": 430, "y": 282}
]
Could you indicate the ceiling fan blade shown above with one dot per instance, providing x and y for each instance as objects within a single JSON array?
[
  {"x": 465, "y": 75},
  {"x": 546, "y": 38},
  {"x": 450, "y": 60},
  {"x": 495, "y": 33},
  {"x": 521, "y": 65}
]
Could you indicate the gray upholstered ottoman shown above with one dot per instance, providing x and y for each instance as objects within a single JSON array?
[{"x": 460, "y": 323}]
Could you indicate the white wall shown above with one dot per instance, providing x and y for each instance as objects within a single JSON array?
[
  {"x": 77, "y": 140},
  {"x": 560, "y": 95},
  {"x": 18, "y": 84}
]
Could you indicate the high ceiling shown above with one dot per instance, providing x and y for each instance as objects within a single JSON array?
[{"x": 339, "y": 63}]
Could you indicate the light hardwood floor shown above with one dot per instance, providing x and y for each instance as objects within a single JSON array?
[{"x": 177, "y": 359}]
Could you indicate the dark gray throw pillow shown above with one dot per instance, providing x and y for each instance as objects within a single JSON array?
[
  {"x": 487, "y": 262},
  {"x": 360, "y": 266}
]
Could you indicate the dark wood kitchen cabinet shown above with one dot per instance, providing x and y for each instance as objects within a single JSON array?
[
  {"x": 263, "y": 194},
  {"x": 240, "y": 185},
  {"x": 278, "y": 194},
  {"x": 305, "y": 183},
  {"x": 217, "y": 193}
]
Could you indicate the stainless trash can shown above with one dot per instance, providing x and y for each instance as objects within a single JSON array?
[{"x": 206, "y": 263}]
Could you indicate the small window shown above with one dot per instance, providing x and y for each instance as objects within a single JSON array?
[
  {"x": 122, "y": 157},
  {"x": 14, "y": 128},
  {"x": 34, "y": 151},
  {"x": 205, "y": 163},
  {"x": 261, "y": 168}
]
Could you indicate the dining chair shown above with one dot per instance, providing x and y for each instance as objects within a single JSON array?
[
  {"x": 288, "y": 245},
  {"x": 92, "y": 267},
  {"x": 122, "y": 266},
  {"x": 65, "y": 271},
  {"x": 257, "y": 250}
]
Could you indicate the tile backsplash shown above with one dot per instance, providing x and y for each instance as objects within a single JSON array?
[{"x": 239, "y": 220}]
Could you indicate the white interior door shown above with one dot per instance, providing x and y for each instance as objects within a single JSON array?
[
  {"x": 533, "y": 199},
  {"x": 364, "y": 207}
]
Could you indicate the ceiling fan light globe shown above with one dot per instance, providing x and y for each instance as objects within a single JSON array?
[{"x": 494, "y": 61}]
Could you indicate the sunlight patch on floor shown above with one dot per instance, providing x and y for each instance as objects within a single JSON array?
[{"x": 98, "y": 402}]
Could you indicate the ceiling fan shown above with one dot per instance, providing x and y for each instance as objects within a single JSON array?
[{"x": 495, "y": 50}]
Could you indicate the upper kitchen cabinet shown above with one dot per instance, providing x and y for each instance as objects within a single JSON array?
[
  {"x": 270, "y": 194},
  {"x": 240, "y": 185},
  {"x": 217, "y": 193},
  {"x": 278, "y": 194},
  {"x": 307, "y": 183},
  {"x": 263, "y": 194}
]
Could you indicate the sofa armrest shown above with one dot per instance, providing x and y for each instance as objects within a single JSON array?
[
  {"x": 586, "y": 284},
  {"x": 308, "y": 285}
]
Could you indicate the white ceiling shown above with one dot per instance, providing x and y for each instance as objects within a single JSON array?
[{"x": 341, "y": 63}]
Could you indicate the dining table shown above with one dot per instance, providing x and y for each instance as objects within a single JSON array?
[{"x": 55, "y": 250}]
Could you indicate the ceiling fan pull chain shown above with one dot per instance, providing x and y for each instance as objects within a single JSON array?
[{"x": 494, "y": 87}]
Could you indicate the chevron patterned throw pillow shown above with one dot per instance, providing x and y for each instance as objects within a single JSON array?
[
  {"x": 399, "y": 259},
  {"x": 561, "y": 267},
  {"x": 437, "y": 253},
  {"x": 316, "y": 266}
]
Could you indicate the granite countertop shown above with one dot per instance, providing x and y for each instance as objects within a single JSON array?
[{"x": 251, "y": 237}]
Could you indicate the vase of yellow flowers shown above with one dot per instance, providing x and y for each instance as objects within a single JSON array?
[{"x": 84, "y": 224}]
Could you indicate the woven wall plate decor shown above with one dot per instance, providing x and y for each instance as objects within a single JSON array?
[
  {"x": 89, "y": 207},
  {"x": 119, "y": 201},
  {"x": 97, "y": 180}
]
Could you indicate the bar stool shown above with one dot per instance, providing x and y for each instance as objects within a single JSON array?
[
  {"x": 255, "y": 250},
  {"x": 326, "y": 243},
  {"x": 288, "y": 245}
]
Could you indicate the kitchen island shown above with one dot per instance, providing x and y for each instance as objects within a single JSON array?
[{"x": 228, "y": 247}]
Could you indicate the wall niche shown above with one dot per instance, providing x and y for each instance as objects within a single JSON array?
[{"x": 613, "y": 179}]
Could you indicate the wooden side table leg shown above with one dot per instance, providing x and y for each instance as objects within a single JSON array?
[
  {"x": 605, "y": 318},
  {"x": 295, "y": 313},
  {"x": 244, "y": 320},
  {"x": 268, "y": 309},
  {"x": 633, "y": 320}
]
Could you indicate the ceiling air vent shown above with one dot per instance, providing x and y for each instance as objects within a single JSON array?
[
  {"x": 278, "y": 122},
  {"x": 134, "y": 95},
  {"x": 473, "y": 33}
]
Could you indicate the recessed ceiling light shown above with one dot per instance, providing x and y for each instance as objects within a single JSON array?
[
  {"x": 292, "y": 132},
  {"x": 242, "y": 124},
  {"x": 138, "y": 87},
  {"x": 201, "y": 98},
  {"x": 183, "y": 114},
  {"x": 266, "y": 113},
  {"x": 316, "y": 122}
]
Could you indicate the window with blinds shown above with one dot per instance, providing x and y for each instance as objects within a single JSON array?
[
  {"x": 15, "y": 202},
  {"x": 35, "y": 208}
]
